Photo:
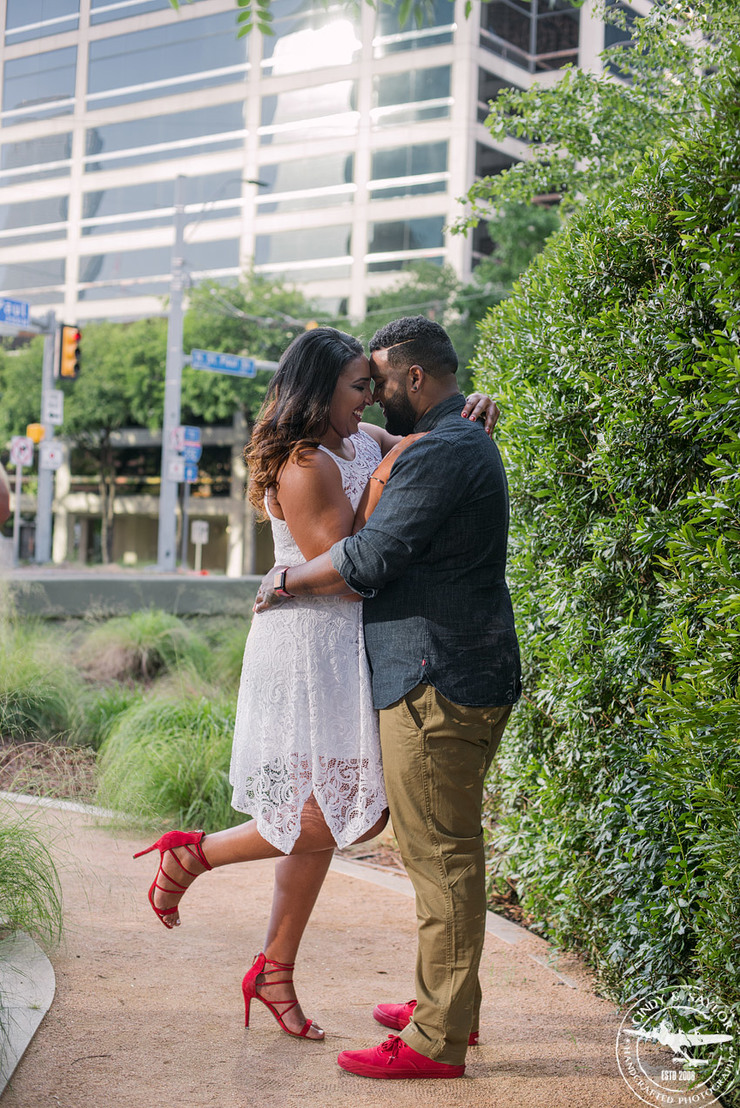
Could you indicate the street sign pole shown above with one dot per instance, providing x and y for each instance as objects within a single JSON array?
[
  {"x": 185, "y": 511},
  {"x": 17, "y": 515},
  {"x": 45, "y": 495},
  {"x": 167, "y": 535}
]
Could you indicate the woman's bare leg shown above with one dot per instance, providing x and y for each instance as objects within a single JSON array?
[
  {"x": 244, "y": 843},
  {"x": 298, "y": 881}
]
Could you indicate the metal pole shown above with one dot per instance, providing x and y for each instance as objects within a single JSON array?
[
  {"x": 45, "y": 495},
  {"x": 167, "y": 536},
  {"x": 184, "y": 544},
  {"x": 17, "y": 514}
]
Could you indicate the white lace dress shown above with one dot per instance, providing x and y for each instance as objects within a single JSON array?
[{"x": 305, "y": 720}]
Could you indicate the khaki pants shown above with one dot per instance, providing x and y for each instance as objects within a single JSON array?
[{"x": 435, "y": 758}]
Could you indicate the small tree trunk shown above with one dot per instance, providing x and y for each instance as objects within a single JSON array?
[{"x": 107, "y": 502}]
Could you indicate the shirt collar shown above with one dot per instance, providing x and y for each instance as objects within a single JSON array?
[{"x": 431, "y": 418}]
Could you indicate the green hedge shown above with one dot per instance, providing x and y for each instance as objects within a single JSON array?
[{"x": 615, "y": 805}]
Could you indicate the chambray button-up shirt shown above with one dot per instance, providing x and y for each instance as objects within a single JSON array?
[{"x": 431, "y": 562}]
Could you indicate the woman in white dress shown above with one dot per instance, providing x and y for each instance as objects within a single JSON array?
[{"x": 306, "y": 757}]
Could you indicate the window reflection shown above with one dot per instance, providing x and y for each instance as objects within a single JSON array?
[
  {"x": 326, "y": 111},
  {"x": 28, "y": 213},
  {"x": 404, "y": 239},
  {"x": 30, "y": 19},
  {"x": 308, "y": 35},
  {"x": 307, "y": 183},
  {"x": 159, "y": 61},
  {"x": 104, "y": 11},
  {"x": 126, "y": 266},
  {"x": 49, "y": 156},
  {"x": 320, "y": 251},
  {"x": 393, "y": 36},
  {"x": 411, "y": 96},
  {"x": 32, "y": 275},
  {"x": 40, "y": 85},
  {"x": 426, "y": 160},
  {"x": 210, "y": 195},
  {"x": 162, "y": 137}
]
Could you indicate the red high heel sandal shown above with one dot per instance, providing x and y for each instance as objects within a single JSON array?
[
  {"x": 191, "y": 840},
  {"x": 249, "y": 989}
]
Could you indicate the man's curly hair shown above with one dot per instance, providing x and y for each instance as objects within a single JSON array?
[{"x": 416, "y": 340}]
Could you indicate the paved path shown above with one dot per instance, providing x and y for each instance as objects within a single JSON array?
[{"x": 144, "y": 1017}]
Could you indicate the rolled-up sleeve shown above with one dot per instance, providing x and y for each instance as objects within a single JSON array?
[{"x": 424, "y": 487}]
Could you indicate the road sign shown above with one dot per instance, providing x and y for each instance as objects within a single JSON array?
[
  {"x": 182, "y": 435},
  {"x": 179, "y": 470},
  {"x": 191, "y": 452},
  {"x": 14, "y": 311},
  {"x": 199, "y": 532},
  {"x": 51, "y": 455},
  {"x": 216, "y": 362},
  {"x": 21, "y": 450},
  {"x": 53, "y": 412}
]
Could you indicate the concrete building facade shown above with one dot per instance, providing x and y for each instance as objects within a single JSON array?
[{"x": 330, "y": 154}]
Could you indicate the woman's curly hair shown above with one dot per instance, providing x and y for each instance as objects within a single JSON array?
[{"x": 295, "y": 414}]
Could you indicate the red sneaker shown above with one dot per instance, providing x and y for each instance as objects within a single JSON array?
[
  {"x": 398, "y": 1015},
  {"x": 394, "y": 1059}
]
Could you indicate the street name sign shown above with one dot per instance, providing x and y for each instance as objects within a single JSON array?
[
  {"x": 216, "y": 362},
  {"x": 14, "y": 311},
  {"x": 184, "y": 435}
]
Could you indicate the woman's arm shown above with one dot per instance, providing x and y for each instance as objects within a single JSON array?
[{"x": 311, "y": 500}]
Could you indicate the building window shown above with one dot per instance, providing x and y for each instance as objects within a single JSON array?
[
  {"x": 162, "y": 137},
  {"x": 31, "y": 19},
  {"x": 392, "y": 36},
  {"x": 489, "y": 86},
  {"x": 39, "y": 86},
  {"x": 105, "y": 11},
  {"x": 409, "y": 170},
  {"x": 133, "y": 207},
  {"x": 618, "y": 37},
  {"x": 130, "y": 272},
  {"x": 160, "y": 61},
  {"x": 411, "y": 96},
  {"x": 47, "y": 275},
  {"x": 489, "y": 161},
  {"x": 535, "y": 34},
  {"x": 42, "y": 220},
  {"x": 325, "y": 111},
  {"x": 36, "y": 159},
  {"x": 307, "y": 183},
  {"x": 309, "y": 36},
  {"x": 321, "y": 251},
  {"x": 395, "y": 243}
]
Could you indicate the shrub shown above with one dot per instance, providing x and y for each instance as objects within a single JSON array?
[
  {"x": 39, "y": 688},
  {"x": 141, "y": 647},
  {"x": 30, "y": 894},
  {"x": 618, "y": 366},
  {"x": 167, "y": 762}
]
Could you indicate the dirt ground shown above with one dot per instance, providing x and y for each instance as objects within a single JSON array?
[{"x": 144, "y": 1017}]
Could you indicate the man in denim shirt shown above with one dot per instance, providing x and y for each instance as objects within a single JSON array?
[{"x": 439, "y": 631}]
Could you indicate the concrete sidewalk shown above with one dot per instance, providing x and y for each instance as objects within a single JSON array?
[{"x": 144, "y": 1017}]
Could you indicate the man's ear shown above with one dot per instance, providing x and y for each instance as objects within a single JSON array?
[{"x": 415, "y": 377}]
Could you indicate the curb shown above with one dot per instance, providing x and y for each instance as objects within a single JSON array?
[{"x": 27, "y": 987}]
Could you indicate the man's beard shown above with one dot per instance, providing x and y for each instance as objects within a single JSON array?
[{"x": 400, "y": 417}]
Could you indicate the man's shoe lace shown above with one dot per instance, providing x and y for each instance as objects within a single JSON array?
[{"x": 391, "y": 1046}]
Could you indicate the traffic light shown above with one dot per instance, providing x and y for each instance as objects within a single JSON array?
[{"x": 69, "y": 352}]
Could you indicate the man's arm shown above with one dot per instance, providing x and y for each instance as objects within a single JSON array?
[{"x": 427, "y": 482}]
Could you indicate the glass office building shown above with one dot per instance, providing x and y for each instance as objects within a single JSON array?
[{"x": 331, "y": 154}]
